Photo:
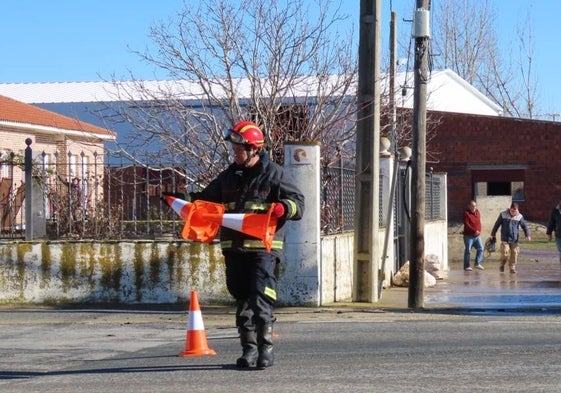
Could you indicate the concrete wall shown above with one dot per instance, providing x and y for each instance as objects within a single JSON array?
[
  {"x": 436, "y": 241},
  {"x": 490, "y": 207},
  {"x": 117, "y": 272},
  {"x": 130, "y": 272},
  {"x": 337, "y": 253}
]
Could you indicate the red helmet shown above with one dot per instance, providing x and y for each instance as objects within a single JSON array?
[{"x": 246, "y": 133}]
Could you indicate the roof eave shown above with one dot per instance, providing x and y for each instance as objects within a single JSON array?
[{"x": 54, "y": 131}]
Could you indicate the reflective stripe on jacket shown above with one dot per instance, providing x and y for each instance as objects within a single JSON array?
[{"x": 253, "y": 190}]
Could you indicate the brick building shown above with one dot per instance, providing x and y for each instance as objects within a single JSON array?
[
  {"x": 490, "y": 155},
  {"x": 64, "y": 148}
]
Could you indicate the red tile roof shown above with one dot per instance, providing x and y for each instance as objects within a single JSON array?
[{"x": 19, "y": 112}]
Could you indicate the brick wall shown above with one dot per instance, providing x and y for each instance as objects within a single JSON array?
[{"x": 462, "y": 141}]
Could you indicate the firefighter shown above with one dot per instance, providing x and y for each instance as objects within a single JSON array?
[{"x": 251, "y": 184}]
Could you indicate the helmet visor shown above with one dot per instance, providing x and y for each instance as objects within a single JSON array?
[{"x": 235, "y": 137}]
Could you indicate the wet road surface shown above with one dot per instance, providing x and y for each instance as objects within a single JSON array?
[{"x": 536, "y": 286}]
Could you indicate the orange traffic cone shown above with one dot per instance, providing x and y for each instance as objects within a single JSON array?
[
  {"x": 195, "y": 343},
  {"x": 196, "y": 228},
  {"x": 180, "y": 206},
  {"x": 203, "y": 219},
  {"x": 259, "y": 225}
]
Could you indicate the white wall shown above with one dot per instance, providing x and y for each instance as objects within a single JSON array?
[
  {"x": 490, "y": 207},
  {"x": 436, "y": 241}
]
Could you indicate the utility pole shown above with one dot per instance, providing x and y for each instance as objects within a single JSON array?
[
  {"x": 367, "y": 196},
  {"x": 393, "y": 141},
  {"x": 421, "y": 32}
]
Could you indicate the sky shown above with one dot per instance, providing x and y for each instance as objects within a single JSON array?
[{"x": 93, "y": 40}]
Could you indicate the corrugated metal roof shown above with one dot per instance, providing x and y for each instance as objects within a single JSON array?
[{"x": 447, "y": 92}]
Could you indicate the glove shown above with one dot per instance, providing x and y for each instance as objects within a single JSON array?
[{"x": 278, "y": 210}]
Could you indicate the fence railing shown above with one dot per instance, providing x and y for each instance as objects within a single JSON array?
[{"x": 100, "y": 201}]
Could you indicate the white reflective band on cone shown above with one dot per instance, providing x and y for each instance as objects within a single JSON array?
[
  {"x": 196, "y": 321},
  {"x": 233, "y": 221}
]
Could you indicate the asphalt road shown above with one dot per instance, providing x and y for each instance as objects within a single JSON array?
[
  {"x": 317, "y": 350},
  {"x": 481, "y": 331}
]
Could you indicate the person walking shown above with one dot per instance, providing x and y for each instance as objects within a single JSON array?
[
  {"x": 510, "y": 221},
  {"x": 554, "y": 225},
  {"x": 253, "y": 184},
  {"x": 472, "y": 236}
]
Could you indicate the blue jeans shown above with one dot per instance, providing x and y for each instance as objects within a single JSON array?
[
  {"x": 469, "y": 243},
  {"x": 558, "y": 241}
]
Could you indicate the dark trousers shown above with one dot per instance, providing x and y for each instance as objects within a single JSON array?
[{"x": 250, "y": 278}]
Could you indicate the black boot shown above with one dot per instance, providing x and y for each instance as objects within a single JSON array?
[
  {"x": 248, "y": 339},
  {"x": 265, "y": 342}
]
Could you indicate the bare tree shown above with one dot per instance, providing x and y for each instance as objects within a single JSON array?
[
  {"x": 529, "y": 83},
  {"x": 283, "y": 64},
  {"x": 465, "y": 40}
]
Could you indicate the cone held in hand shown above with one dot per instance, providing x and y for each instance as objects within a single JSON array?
[
  {"x": 196, "y": 227},
  {"x": 196, "y": 342},
  {"x": 203, "y": 220},
  {"x": 259, "y": 225}
]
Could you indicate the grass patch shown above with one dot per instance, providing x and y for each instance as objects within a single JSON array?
[
  {"x": 539, "y": 238},
  {"x": 538, "y": 244}
]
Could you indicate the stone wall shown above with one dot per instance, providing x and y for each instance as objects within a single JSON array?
[
  {"x": 125, "y": 272},
  {"x": 166, "y": 271}
]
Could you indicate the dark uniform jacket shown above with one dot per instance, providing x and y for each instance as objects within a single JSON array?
[
  {"x": 252, "y": 190},
  {"x": 554, "y": 224}
]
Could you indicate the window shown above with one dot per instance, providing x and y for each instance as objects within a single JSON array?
[
  {"x": 498, "y": 188},
  {"x": 513, "y": 189},
  {"x": 517, "y": 191},
  {"x": 499, "y": 182}
]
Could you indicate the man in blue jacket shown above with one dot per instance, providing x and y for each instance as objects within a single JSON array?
[{"x": 510, "y": 221}]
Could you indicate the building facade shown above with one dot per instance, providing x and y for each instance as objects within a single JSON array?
[
  {"x": 64, "y": 148},
  {"x": 498, "y": 156}
]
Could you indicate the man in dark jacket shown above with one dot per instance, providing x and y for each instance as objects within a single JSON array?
[
  {"x": 554, "y": 225},
  {"x": 510, "y": 221},
  {"x": 252, "y": 184}
]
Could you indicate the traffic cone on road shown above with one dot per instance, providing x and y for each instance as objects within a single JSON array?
[{"x": 196, "y": 343}]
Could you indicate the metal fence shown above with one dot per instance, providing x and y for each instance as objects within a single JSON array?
[
  {"x": 338, "y": 202},
  {"x": 338, "y": 198},
  {"x": 102, "y": 201}
]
